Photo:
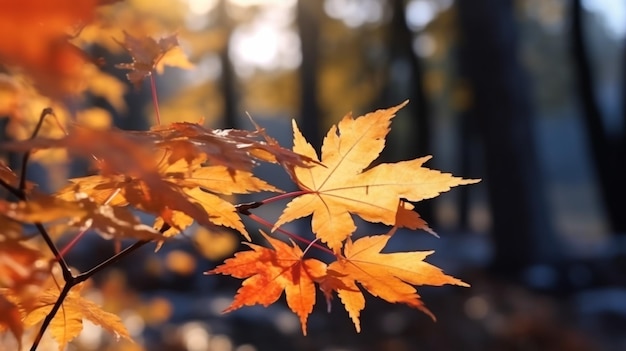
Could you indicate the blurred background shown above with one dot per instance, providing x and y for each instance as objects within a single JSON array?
[{"x": 527, "y": 95}]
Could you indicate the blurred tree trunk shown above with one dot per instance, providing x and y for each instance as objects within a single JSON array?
[
  {"x": 521, "y": 230},
  {"x": 465, "y": 149},
  {"x": 609, "y": 152},
  {"x": 228, "y": 80},
  {"x": 404, "y": 78},
  {"x": 308, "y": 28}
]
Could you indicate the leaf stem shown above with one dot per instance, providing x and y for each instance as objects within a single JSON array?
[
  {"x": 79, "y": 236},
  {"x": 285, "y": 196},
  {"x": 73, "y": 242},
  {"x": 309, "y": 246},
  {"x": 155, "y": 99},
  {"x": 262, "y": 221}
]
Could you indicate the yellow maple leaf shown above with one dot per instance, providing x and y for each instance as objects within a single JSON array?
[
  {"x": 389, "y": 276},
  {"x": 340, "y": 187},
  {"x": 68, "y": 322}
]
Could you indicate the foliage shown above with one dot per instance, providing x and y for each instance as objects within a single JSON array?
[{"x": 185, "y": 172}]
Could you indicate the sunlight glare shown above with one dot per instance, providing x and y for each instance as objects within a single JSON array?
[
  {"x": 355, "y": 13},
  {"x": 91, "y": 336},
  {"x": 267, "y": 43},
  {"x": 247, "y": 3},
  {"x": 613, "y": 12},
  {"x": 424, "y": 45},
  {"x": 195, "y": 336},
  {"x": 419, "y": 13},
  {"x": 201, "y": 7}
]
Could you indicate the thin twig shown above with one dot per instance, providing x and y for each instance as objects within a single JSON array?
[
  {"x": 45, "y": 112},
  {"x": 55, "y": 308},
  {"x": 65, "y": 268},
  {"x": 111, "y": 260},
  {"x": 13, "y": 190},
  {"x": 72, "y": 281}
]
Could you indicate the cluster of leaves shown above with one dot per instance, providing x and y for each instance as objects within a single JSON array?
[{"x": 185, "y": 172}]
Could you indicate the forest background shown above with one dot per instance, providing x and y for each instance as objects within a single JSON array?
[{"x": 527, "y": 95}]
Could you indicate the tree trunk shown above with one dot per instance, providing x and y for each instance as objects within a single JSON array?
[
  {"x": 608, "y": 154},
  {"x": 228, "y": 79},
  {"x": 401, "y": 55},
  {"x": 308, "y": 27},
  {"x": 521, "y": 231}
]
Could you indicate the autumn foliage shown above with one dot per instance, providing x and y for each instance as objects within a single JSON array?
[{"x": 186, "y": 172}]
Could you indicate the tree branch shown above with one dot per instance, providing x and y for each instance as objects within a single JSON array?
[
  {"x": 13, "y": 190},
  {"x": 111, "y": 260},
  {"x": 46, "y": 322},
  {"x": 45, "y": 112}
]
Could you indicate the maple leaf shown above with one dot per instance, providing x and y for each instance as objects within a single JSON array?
[
  {"x": 10, "y": 229},
  {"x": 198, "y": 184},
  {"x": 68, "y": 322},
  {"x": 149, "y": 55},
  {"x": 19, "y": 264},
  {"x": 201, "y": 183},
  {"x": 7, "y": 175},
  {"x": 10, "y": 319},
  {"x": 389, "y": 276},
  {"x": 221, "y": 212},
  {"x": 41, "y": 209},
  {"x": 233, "y": 148},
  {"x": 270, "y": 271},
  {"x": 340, "y": 187},
  {"x": 38, "y": 40},
  {"x": 110, "y": 222},
  {"x": 127, "y": 167}
]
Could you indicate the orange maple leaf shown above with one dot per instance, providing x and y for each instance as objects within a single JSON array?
[
  {"x": 36, "y": 38},
  {"x": 270, "y": 271},
  {"x": 340, "y": 187},
  {"x": 389, "y": 276},
  {"x": 7, "y": 175},
  {"x": 10, "y": 319}
]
